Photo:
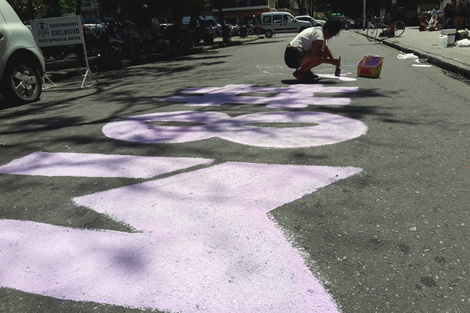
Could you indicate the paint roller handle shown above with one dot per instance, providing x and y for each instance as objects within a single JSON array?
[{"x": 338, "y": 68}]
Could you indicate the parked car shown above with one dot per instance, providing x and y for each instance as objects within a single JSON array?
[
  {"x": 281, "y": 22},
  {"x": 308, "y": 18},
  {"x": 22, "y": 64},
  {"x": 95, "y": 24}
]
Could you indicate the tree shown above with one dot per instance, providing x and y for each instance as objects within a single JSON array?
[
  {"x": 28, "y": 9},
  {"x": 78, "y": 7},
  {"x": 67, "y": 6}
]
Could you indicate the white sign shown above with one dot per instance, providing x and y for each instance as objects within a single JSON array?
[{"x": 57, "y": 31}]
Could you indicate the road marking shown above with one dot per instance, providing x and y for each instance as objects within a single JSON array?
[{"x": 203, "y": 242}]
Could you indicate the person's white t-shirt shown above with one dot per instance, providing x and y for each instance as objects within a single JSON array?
[{"x": 306, "y": 37}]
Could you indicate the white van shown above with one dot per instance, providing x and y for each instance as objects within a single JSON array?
[{"x": 281, "y": 22}]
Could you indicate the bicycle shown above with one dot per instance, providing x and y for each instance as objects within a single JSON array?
[{"x": 379, "y": 28}]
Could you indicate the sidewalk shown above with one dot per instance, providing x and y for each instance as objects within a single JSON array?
[
  {"x": 57, "y": 70},
  {"x": 425, "y": 45}
]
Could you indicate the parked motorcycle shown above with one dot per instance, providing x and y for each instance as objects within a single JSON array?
[
  {"x": 101, "y": 42},
  {"x": 203, "y": 31}
]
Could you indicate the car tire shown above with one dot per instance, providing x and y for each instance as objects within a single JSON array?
[
  {"x": 302, "y": 29},
  {"x": 22, "y": 83},
  {"x": 268, "y": 33}
]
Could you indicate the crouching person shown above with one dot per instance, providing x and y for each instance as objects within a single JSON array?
[{"x": 309, "y": 49}]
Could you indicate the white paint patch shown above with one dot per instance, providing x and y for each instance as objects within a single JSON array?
[
  {"x": 206, "y": 245},
  {"x": 96, "y": 165},
  {"x": 247, "y": 129},
  {"x": 344, "y": 77}
]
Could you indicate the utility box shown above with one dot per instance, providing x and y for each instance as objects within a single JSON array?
[{"x": 370, "y": 66}]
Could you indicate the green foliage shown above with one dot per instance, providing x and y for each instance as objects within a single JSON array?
[
  {"x": 22, "y": 8},
  {"x": 68, "y": 7},
  {"x": 320, "y": 16},
  {"x": 42, "y": 8}
]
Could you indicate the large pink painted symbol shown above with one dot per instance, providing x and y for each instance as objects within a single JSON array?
[
  {"x": 203, "y": 239},
  {"x": 293, "y": 129},
  {"x": 208, "y": 246}
]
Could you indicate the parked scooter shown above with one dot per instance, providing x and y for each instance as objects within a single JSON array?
[{"x": 203, "y": 31}]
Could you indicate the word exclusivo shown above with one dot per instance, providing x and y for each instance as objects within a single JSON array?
[{"x": 64, "y": 32}]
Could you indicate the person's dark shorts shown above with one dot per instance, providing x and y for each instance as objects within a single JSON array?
[{"x": 293, "y": 56}]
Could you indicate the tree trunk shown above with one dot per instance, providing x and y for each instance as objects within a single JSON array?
[
  {"x": 31, "y": 10},
  {"x": 78, "y": 7}
]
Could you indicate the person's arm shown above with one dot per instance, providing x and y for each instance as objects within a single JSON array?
[
  {"x": 323, "y": 54},
  {"x": 327, "y": 53}
]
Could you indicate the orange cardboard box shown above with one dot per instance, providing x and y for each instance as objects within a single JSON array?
[{"x": 370, "y": 66}]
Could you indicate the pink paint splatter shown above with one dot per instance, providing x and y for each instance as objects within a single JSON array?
[
  {"x": 96, "y": 165},
  {"x": 320, "y": 129},
  {"x": 295, "y": 96}
]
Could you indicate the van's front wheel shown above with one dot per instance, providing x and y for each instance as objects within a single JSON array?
[{"x": 268, "y": 33}]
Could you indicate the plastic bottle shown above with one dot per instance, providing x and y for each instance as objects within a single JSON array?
[{"x": 338, "y": 69}]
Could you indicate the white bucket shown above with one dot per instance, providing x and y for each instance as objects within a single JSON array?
[
  {"x": 450, "y": 35},
  {"x": 443, "y": 40}
]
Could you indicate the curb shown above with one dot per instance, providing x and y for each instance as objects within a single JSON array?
[{"x": 437, "y": 61}]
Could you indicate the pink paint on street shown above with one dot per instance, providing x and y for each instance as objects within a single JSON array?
[
  {"x": 295, "y": 96},
  {"x": 96, "y": 165},
  {"x": 317, "y": 129},
  {"x": 204, "y": 243}
]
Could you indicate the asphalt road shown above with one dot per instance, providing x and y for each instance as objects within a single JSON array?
[{"x": 376, "y": 203}]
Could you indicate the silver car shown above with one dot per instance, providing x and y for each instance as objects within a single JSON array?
[
  {"x": 308, "y": 18},
  {"x": 22, "y": 64}
]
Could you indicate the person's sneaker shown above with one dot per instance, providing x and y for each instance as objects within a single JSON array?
[
  {"x": 299, "y": 75},
  {"x": 304, "y": 76},
  {"x": 311, "y": 75}
]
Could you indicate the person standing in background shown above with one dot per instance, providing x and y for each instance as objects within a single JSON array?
[{"x": 461, "y": 10}]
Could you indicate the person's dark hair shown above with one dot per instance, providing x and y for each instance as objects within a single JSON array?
[{"x": 334, "y": 26}]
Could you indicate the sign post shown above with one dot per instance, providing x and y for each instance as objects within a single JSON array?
[{"x": 61, "y": 31}]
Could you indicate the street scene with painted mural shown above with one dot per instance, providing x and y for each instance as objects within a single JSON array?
[{"x": 206, "y": 156}]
